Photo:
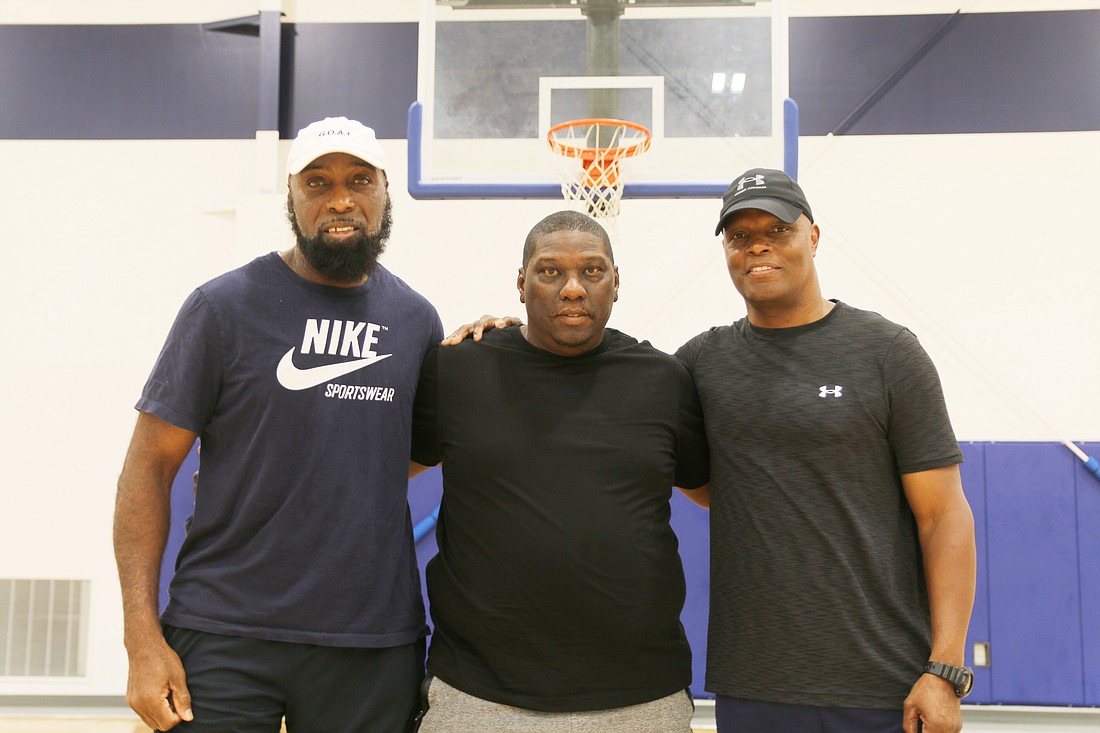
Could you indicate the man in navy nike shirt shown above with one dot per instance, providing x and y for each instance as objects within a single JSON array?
[{"x": 296, "y": 592}]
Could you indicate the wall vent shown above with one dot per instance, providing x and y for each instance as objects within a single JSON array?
[{"x": 43, "y": 626}]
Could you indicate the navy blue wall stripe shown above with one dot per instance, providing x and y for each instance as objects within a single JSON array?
[
  {"x": 120, "y": 82},
  {"x": 102, "y": 82},
  {"x": 990, "y": 72}
]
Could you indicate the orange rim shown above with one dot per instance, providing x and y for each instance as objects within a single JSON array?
[{"x": 577, "y": 148}]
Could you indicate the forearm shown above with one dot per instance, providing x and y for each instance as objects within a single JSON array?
[
  {"x": 157, "y": 686},
  {"x": 945, "y": 526},
  {"x": 142, "y": 520},
  {"x": 949, "y": 567}
]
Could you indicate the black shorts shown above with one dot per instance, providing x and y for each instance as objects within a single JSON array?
[{"x": 244, "y": 685}]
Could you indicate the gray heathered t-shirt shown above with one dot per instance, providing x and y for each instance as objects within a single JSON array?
[{"x": 817, "y": 587}]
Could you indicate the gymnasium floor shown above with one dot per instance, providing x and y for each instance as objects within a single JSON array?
[{"x": 976, "y": 719}]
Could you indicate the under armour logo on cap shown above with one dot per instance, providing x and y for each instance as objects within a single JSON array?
[
  {"x": 768, "y": 190},
  {"x": 757, "y": 180}
]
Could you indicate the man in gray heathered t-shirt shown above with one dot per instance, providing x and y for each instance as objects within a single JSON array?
[{"x": 842, "y": 546}]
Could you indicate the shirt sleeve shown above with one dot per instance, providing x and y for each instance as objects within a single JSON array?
[
  {"x": 437, "y": 332},
  {"x": 689, "y": 352},
  {"x": 920, "y": 429},
  {"x": 184, "y": 385},
  {"x": 425, "y": 436},
  {"x": 692, "y": 453}
]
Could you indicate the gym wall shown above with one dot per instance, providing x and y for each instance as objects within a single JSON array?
[{"x": 961, "y": 204}]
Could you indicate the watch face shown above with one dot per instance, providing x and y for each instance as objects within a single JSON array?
[{"x": 962, "y": 689}]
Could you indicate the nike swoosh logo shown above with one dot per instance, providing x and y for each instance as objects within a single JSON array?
[{"x": 294, "y": 378}]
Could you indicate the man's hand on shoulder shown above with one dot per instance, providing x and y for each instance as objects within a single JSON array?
[{"x": 479, "y": 327}]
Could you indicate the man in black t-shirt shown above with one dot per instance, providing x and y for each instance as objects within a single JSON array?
[
  {"x": 557, "y": 590},
  {"x": 842, "y": 546}
]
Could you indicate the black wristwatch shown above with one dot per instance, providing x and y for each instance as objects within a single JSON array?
[{"x": 961, "y": 677}]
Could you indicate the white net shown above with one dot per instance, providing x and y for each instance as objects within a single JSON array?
[{"x": 590, "y": 177}]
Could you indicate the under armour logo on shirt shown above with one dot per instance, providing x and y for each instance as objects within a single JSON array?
[{"x": 836, "y": 391}]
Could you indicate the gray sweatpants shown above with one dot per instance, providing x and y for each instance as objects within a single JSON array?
[{"x": 454, "y": 711}]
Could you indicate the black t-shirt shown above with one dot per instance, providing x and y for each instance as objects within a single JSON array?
[
  {"x": 558, "y": 585},
  {"x": 818, "y": 594}
]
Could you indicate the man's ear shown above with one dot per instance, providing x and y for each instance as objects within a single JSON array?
[{"x": 520, "y": 279}]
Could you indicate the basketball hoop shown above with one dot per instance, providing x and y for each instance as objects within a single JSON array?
[{"x": 600, "y": 144}]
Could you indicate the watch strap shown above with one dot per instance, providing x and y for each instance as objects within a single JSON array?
[{"x": 961, "y": 677}]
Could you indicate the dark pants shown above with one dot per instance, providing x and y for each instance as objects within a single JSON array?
[
  {"x": 243, "y": 685},
  {"x": 734, "y": 715}
]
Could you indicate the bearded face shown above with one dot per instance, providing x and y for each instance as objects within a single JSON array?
[{"x": 350, "y": 259}]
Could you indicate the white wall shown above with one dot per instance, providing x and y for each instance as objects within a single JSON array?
[
  {"x": 978, "y": 243},
  {"x": 985, "y": 245}
]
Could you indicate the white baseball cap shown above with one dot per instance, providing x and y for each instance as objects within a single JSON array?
[{"x": 334, "y": 135}]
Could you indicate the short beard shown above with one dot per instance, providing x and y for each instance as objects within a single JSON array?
[{"x": 350, "y": 261}]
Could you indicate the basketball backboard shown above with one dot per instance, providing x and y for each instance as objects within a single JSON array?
[{"x": 495, "y": 75}]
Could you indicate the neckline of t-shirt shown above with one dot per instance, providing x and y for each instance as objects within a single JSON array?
[
  {"x": 519, "y": 340},
  {"x": 792, "y": 331},
  {"x": 355, "y": 291}
]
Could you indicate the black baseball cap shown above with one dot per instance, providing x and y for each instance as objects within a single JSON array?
[{"x": 768, "y": 190}]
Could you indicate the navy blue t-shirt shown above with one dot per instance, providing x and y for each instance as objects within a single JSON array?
[{"x": 302, "y": 396}]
